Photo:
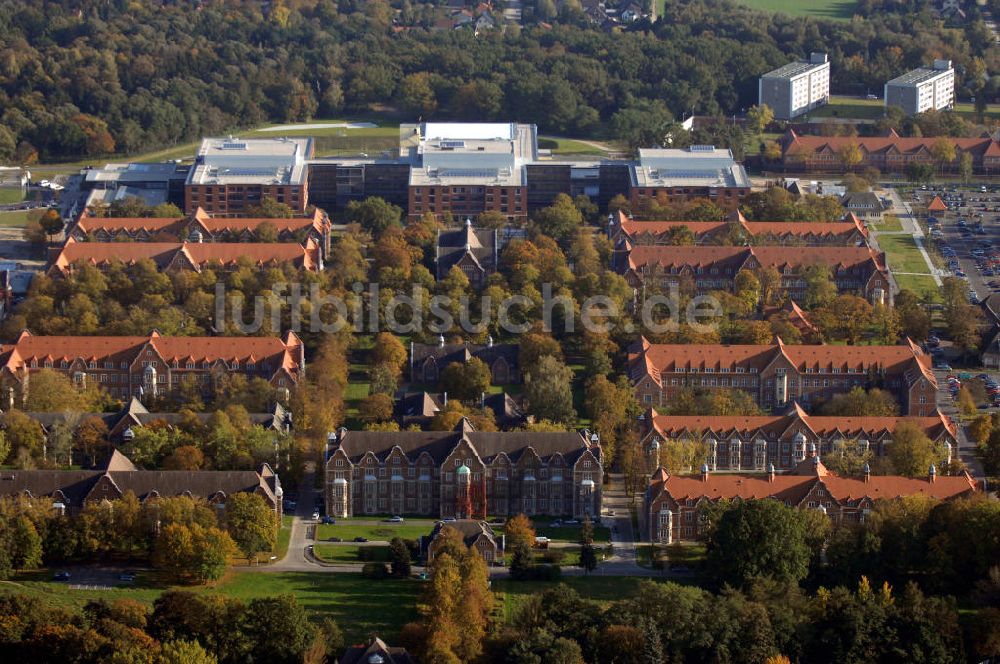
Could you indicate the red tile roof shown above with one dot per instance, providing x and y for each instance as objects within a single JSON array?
[
  {"x": 937, "y": 205},
  {"x": 198, "y": 255},
  {"x": 657, "y": 358},
  {"x": 667, "y": 256},
  {"x": 281, "y": 354},
  {"x": 978, "y": 146},
  {"x": 633, "y": 229}
]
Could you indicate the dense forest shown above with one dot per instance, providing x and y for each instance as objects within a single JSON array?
[{"x": 87, "y": 78}]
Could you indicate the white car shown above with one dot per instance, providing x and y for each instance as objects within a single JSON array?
[
  {"x": 396, "y": 519},
  {"x": 315, "y": 516}
]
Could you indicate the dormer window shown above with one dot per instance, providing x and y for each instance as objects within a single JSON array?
[{"x": 91, "y": 365}]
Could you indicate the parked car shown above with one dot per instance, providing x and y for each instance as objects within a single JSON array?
[
  {"x": 315, "y": 516},
  {"x": 127, "y": 578},
  {"x": 360, "y": 539},
  {"x": 396, "y": 519},
  {"x": 329, "y": 520},
  {"x": 61, "y": 576},
  {"x": 943, "y": 366}
]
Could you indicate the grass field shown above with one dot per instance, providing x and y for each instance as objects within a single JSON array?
[
  {"x": 850, "y": 107},
  {"x": 604, "y": 589},
  {"x": 380, "y": 533},
  {"x": 14, "y": 219},
  {"x": 568, "y": 146},
  {"x": 924, "y": 287},
  {"x": 359, "y": 606},
  {"x": 348, "y": 553},
  {"x": 10, "y": 195},
  {"x": 826, "y": 9},
  {"x": 902, "y": 254},
  {"x": 889, "y": 225}
]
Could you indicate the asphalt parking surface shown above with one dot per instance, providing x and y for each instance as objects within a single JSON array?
[{"x": 968, "y": 203}]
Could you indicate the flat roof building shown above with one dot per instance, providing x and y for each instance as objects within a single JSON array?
[
  {"x": 924, "y": 89},
  {"x": 233, "y": 174},
  {"x": 468, "y": 168},
  {"x": 797, "y": 87},
  {"x": 678, "y": 175}
]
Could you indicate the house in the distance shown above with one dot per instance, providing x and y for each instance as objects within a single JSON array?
[
  {"x": 473, "y": 251},
  {"x": 428, "y": 361},
  {"x": 865, "y": 205},
  {"x": 476, "y": 534},
  {"x": 71, "y": 490},
  {"x": 376, "y": 652},
  {"x": 672, "y": 504}
]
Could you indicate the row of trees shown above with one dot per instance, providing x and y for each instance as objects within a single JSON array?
[
  {"x": 186, "y": 538},
  {"x": 181, "y": 628},
  {"x": 88, "y": 83}
]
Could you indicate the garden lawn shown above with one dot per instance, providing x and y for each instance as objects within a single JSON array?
[
  {"x": 850, "y": 107},
  {"x": 349, "y": 553},
  {"x": 902, "y": 254},
  {"x": 360, "y": 606},
  {"x": 10, "y": 195},
  {"x": 840, "y": 10},
  {"x": 890, "y": 225},
  {"x": 567, "y": 146},
  {"x": 15, "y": 219},
  {"x": 923, "y": 286},
  {"x": 379, "y": 533}
]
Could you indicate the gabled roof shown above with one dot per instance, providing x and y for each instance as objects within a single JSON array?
[
  {"x": 907, "y": 358},
  {"x": 272, "y": 351},
  {"x": 937, "y": 205},
  {"x": 198, "y": 255},
  {"x": 636, "y": 229},
  {"x": 796, "y": 143},
  {"x": 839, "y": 258}
]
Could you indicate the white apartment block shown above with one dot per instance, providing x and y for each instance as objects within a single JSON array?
[
  {"x": 924, "y": 89},
  {"x": 797, "y": 87}
]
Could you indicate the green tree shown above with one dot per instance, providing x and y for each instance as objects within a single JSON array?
[
  {"x": 965, "y": 167},
  {"x": 466, "y": 381},
  {"x": 759, "y": 117},
  {"x": 399, "y": 558},
  {"x": 374, "y": 215},
  {"x": 755, "y": 539},
  {"x": 912, "y": 453},
  {"x": 251, "y": 523},
  {"x": 559, "y": 220},
  {"x": 280, "y": 627},
  {"x": 548, "y": 387},
  {"x": 184, "y": 652}
]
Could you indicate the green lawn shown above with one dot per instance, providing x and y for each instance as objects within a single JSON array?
[
  {"x": 923, "y": 286},
  {"x": 379, "y": 533},
  {"x": 17, "y": 218},
  {"x": 823, "y": 9},
  {"x": 890, "y": 224},
  {"x": 348, "y": 553},
  {"x": 284, "y": 537},
  {"x": 850, "y": 107},
  {"x": 10, "y": 195},
  {"x": 568, "y": 146},
  {"x": 902, "y": 254},
  {"x": 571, "y": 533},
  {"x": 359, "y": 606}
]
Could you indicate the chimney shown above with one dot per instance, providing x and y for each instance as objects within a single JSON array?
[
  {"x": 445, "y": 399},
  {"x": 932, "y": 473},
  {"x": 770, "y": 472},
  {"x": 868, "y": 472},
  {"x": 704, "y": 472}
]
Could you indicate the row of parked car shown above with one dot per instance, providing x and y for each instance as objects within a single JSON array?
[{"x": 990, "y": 384}]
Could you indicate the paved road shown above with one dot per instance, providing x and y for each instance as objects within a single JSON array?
[
  {"x": 966, "y": 448},
  {"x": 901, "y": 209}
]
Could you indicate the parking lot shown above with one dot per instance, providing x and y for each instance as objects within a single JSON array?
[{"x": 968, "y": 234}]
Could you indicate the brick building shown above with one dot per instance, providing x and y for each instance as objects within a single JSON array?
[
  {"x": 736, "y": 230},
  {"x": 889, "y": 154},
  {"x": 189, "y": 256},
  {"x": 776, "y": 375},
  {"x": 857, "y": 270},
  {"x": 475, "y": 534},
  {"x": 673, "y": 503},
  {"x": 231, "y": 175},
  {"x": 740, "y": 443},
  {"x": 473, "y": 251},
  {"x": 72, "y": 490},
  {"x": 469, "y": 168},
  {"x": 427, "y": 361},
  {"x": 152, "y": 365},
  {"x": 199, "y": 226},
  {"x": 674, "y": 176},
  {"x": 463, "y": 473}
]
